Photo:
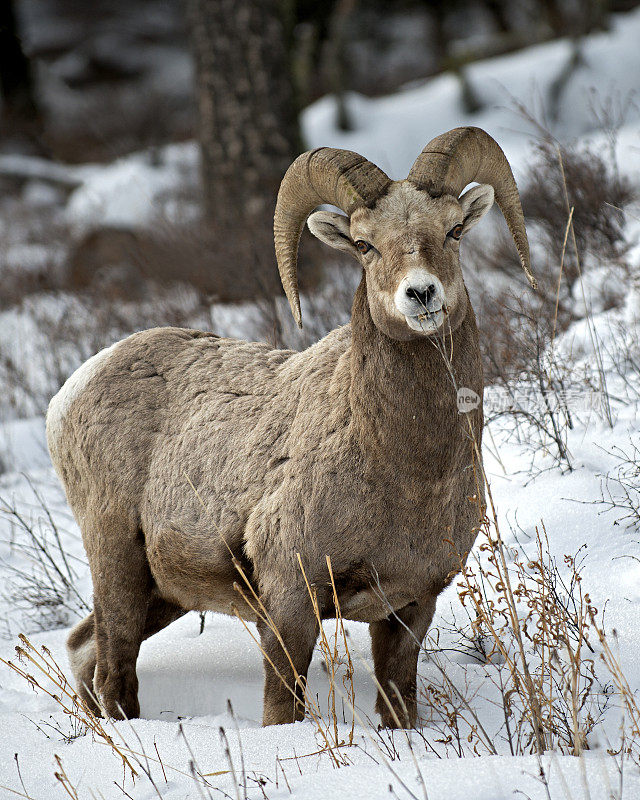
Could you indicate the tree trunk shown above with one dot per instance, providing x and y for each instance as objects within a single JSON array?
[
  {"x": 248, "y": 128},
  {"x": 336, "y": 59},
  {"x": 498, "y": 11},
  {"x": 19, "y": 113}
]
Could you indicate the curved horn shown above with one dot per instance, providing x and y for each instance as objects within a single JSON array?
[
  {"x": 325, "y": 175},
  {"x": 463, "y": 155}
]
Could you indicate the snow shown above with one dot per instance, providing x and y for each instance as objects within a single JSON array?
[
  {"x": 134, "y": 190},
  {"x": 599, "y": 288},
  {"x": 391, "y": 131},
  {"x": 23, "y": 446},
  {"x": 186, "y": 678},
  {"x": 41, "y": 169}
]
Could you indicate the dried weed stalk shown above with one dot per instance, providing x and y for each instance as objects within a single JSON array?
[
  {"x": 47, "y": 589},
  {"x": 41, "y": 671},
  {"x": 537, "y": 625}
]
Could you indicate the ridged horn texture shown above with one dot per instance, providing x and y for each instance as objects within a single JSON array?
[
  {"x": 463, "y": 155},
  {"x": 326, "y": 175}
]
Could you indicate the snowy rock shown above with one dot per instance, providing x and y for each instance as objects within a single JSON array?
[
  {"x": 41, "y": 194},
  {"x": 136, "y": 191}
]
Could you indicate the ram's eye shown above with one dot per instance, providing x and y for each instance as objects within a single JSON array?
[
  {"x": 363, "y": 246},
  {"x": 456, "y": 231}
]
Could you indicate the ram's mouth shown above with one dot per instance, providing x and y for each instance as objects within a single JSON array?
[{"x": 426, "y": 322}]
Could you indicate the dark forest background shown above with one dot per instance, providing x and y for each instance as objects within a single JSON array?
[{"x": 88, "y": 83}]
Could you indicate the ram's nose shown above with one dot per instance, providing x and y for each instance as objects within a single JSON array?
[
  {"x": 422, "y": 295},
  {"x": 419, "y": 291}
]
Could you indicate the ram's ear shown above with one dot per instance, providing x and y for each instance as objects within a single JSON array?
[
  {"x": 475, "y": 204},
  {"x": 332, "y": 229}
]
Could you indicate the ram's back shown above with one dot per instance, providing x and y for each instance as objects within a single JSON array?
[{"x": 109, "y": 420}]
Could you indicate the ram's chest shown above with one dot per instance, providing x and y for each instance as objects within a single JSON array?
[
  {"x": 377, "y": 603},
  {"x": 404, "y": 569},
  {"x": 413, "y": 501}
]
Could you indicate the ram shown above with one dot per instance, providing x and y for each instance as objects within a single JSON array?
[{"x": 182, "y": 452}]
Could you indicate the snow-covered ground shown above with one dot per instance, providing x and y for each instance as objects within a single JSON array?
[{"x": 186, "y": 677}]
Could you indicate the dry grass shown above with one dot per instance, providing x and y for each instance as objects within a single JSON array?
[
  {"x": 41, "y": 671},
  {"x": 587, "y": 181},
  {"x": 532, "y": 622},
  {"x": 573, "y": 200},
  {"x": 630, "y": 743},
  {"x": 534, "y": 627},
  {"x": 337, "y": 665},
  {"x": 533, "y": 386},
  {"x": 45, "y": 588},
  {"x": 537, "y": 625},
  {"x": 620, "y": 488},
  {"x": 538, "y": 385}
]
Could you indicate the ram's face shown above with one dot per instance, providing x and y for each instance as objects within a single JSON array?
[{"x": 409, "y": 248}]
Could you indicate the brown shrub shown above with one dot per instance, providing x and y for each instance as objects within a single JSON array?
[
  {"x": 581, "y": 179},
  {"x": 227, "y": 266}
]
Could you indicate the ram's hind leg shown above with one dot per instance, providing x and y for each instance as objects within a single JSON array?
[
  {"x": 122, "y": 588},
  {"x": 81, "y": 644},
  {"x": 81, "y": 649}
]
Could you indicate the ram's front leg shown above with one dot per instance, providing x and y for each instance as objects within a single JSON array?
[
  {"x": 287, "y": 641},
  {"x": 395, "y": 643}
]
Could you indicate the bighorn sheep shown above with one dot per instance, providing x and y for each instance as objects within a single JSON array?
[{"x": 353, "y": 449}]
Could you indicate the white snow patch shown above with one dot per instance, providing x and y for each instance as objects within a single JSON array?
[{"x": 136, "y": 191}]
